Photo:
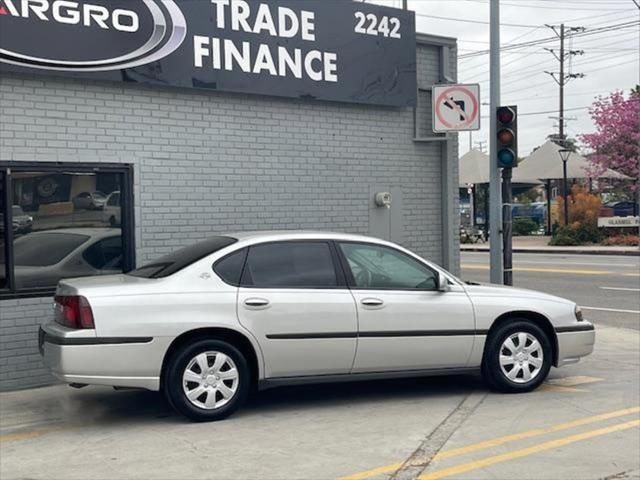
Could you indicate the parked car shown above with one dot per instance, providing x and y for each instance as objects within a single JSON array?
[
  {"x": 89, "y": 201},
  {"x": 42, "y": 258},
  {"x": 111, "y": 213},
  {"x": 208, "y": 322},
  {"x": 21, "y": 222}
]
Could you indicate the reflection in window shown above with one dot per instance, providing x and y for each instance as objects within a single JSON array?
[
  {"x": 375, "y": 266},
  {"x": 63, "y": 227},
  {"x": 3, "y": 252}
]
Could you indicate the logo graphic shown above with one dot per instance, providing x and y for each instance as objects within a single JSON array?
[{"x": 89, "y": 36}]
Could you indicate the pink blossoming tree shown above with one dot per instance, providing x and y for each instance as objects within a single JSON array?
[{"x": 616, "y": 142}]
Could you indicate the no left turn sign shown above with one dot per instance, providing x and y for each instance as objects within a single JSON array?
[{"x": 456, "y": 107}]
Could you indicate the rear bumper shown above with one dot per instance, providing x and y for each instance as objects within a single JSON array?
[
  {"x": 121, "y": 362},
  {"x": 575, "y": 343}
]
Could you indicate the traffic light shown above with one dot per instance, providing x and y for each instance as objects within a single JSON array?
[{"x": 507, "y": 123}]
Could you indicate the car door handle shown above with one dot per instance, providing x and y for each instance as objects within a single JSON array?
[
  {"x": 256, "y": 303},
  {"x": 372, "y": 302}
]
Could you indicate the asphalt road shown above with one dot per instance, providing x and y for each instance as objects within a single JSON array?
[{"x": 607, "y": 287}]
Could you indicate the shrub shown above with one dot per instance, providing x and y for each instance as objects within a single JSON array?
[
  {"x": 564, "y": 238},
  {"x": 587, "y": 233},
  {"x": 622, "y": 241},
  {"x": 583, "y": 207},
  {"x": 576, "y": 234},
  {"x": 524, "y": 226}
]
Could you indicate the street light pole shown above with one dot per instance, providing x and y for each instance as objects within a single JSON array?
[{"x": 564, "y": 156}]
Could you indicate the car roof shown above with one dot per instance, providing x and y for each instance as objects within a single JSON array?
[
  {"x": 92, "y": 232},
  {"x": 279, "y": 235}
]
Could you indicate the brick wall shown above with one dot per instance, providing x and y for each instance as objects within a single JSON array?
[{"x": 211, "y": 162}]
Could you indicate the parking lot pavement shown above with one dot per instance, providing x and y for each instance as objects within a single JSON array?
[{"x": 584, "y": 423}]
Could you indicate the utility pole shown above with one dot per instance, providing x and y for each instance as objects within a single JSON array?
[
  {"x": 561, "y": 79},
  {"x": 495, "y": 195},
  {"x": 404, "y": 4},
  {"x": 481, "y": 144}
]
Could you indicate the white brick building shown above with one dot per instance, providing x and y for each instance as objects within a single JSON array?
[{"x": 207, "y": 162}]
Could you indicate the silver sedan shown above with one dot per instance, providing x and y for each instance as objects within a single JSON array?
[{"x": 207, "y": 323}]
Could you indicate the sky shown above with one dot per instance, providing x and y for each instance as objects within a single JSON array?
[{"x": 610, "y": 60}]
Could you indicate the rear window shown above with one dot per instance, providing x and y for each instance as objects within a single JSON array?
[
  {"x": 44, "y": 249},
  {"x": 176, "y": 261}
]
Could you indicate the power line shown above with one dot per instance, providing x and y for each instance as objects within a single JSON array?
[
  {"x": 595, "y": 31},
  {"x": 467, "y": 20}
]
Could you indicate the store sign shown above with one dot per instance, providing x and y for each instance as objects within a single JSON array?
[
  {"x": 329, "y": 50},
  {"x": 604, "y": 222}
]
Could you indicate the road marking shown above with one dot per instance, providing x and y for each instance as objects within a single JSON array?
[
  {"x": 17, "y": 436},
  {"x": 573, "y": 381},
  {"x": 589, "y": 264},
  {"x": 610, "y": 309},
  {"x": 566, "y": 384},
  {"x": 622, "y": 289},
  {"x": 560, "y": 442},
  {"x": 495, "y": 442},
  {"x": 469, "y": 266},
  {"x": 545, "y": 387}
]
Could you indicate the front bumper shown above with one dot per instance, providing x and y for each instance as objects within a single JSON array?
[
  {"x": 575, "y": 343},
  {"x": 122, "y": 362}
]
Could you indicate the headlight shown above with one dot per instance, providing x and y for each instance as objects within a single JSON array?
[{"x": 578, "y": 314}]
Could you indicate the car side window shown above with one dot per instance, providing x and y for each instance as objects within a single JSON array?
[
  {"x": 290, "y": 265},
  {"x": 376, "y": 266},
  {"x": 105, "y": 254},
  {"x": 229, "y": 268}
]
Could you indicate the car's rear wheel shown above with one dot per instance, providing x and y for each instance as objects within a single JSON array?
[
  {"x": 207, "y": 380},
  {"x": 517, "y": 358}
]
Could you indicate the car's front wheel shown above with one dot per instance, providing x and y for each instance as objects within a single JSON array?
[
  {"x": 517, "y": 358},
  {"x": 207, "y": 380}
]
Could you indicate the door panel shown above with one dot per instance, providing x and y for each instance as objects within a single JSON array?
[
  {"x": 404, "y": 321},
  {"x": 301, "y": 331},
  {"x": 413, "y": 330},
  {"x": 296, "y": 303}
]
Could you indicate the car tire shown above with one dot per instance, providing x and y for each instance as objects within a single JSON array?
[
  {"x": 212, "y": 394},
  {"x": 510, "y": 367}
]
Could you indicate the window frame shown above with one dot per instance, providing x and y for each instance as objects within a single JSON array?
[
  {"x": 127, "y": 225},
  {"x": 341, "y": 281},
  {"x": 351, "y": 280}
]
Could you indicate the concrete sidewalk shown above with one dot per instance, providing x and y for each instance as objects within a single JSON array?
[{"x": 540, "y": 244}]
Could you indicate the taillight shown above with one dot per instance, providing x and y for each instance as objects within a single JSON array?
[{"x": 73, "y": 311}]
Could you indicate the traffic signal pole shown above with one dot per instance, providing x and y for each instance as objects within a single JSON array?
[
  {"x": 507, "y": 199},
  {"x": 495, "y": 197}
]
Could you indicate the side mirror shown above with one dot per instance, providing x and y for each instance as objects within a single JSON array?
[{"x": 443, "y": 283}]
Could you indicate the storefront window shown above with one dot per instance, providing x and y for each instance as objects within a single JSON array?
[
  {"x": 3, "y": 235},
  {"x": 67, "y": 222}
]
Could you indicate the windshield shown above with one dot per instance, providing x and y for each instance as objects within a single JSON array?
[
  {"x": 44, "y": 249},
  {"x": 170, "y": 264}
]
